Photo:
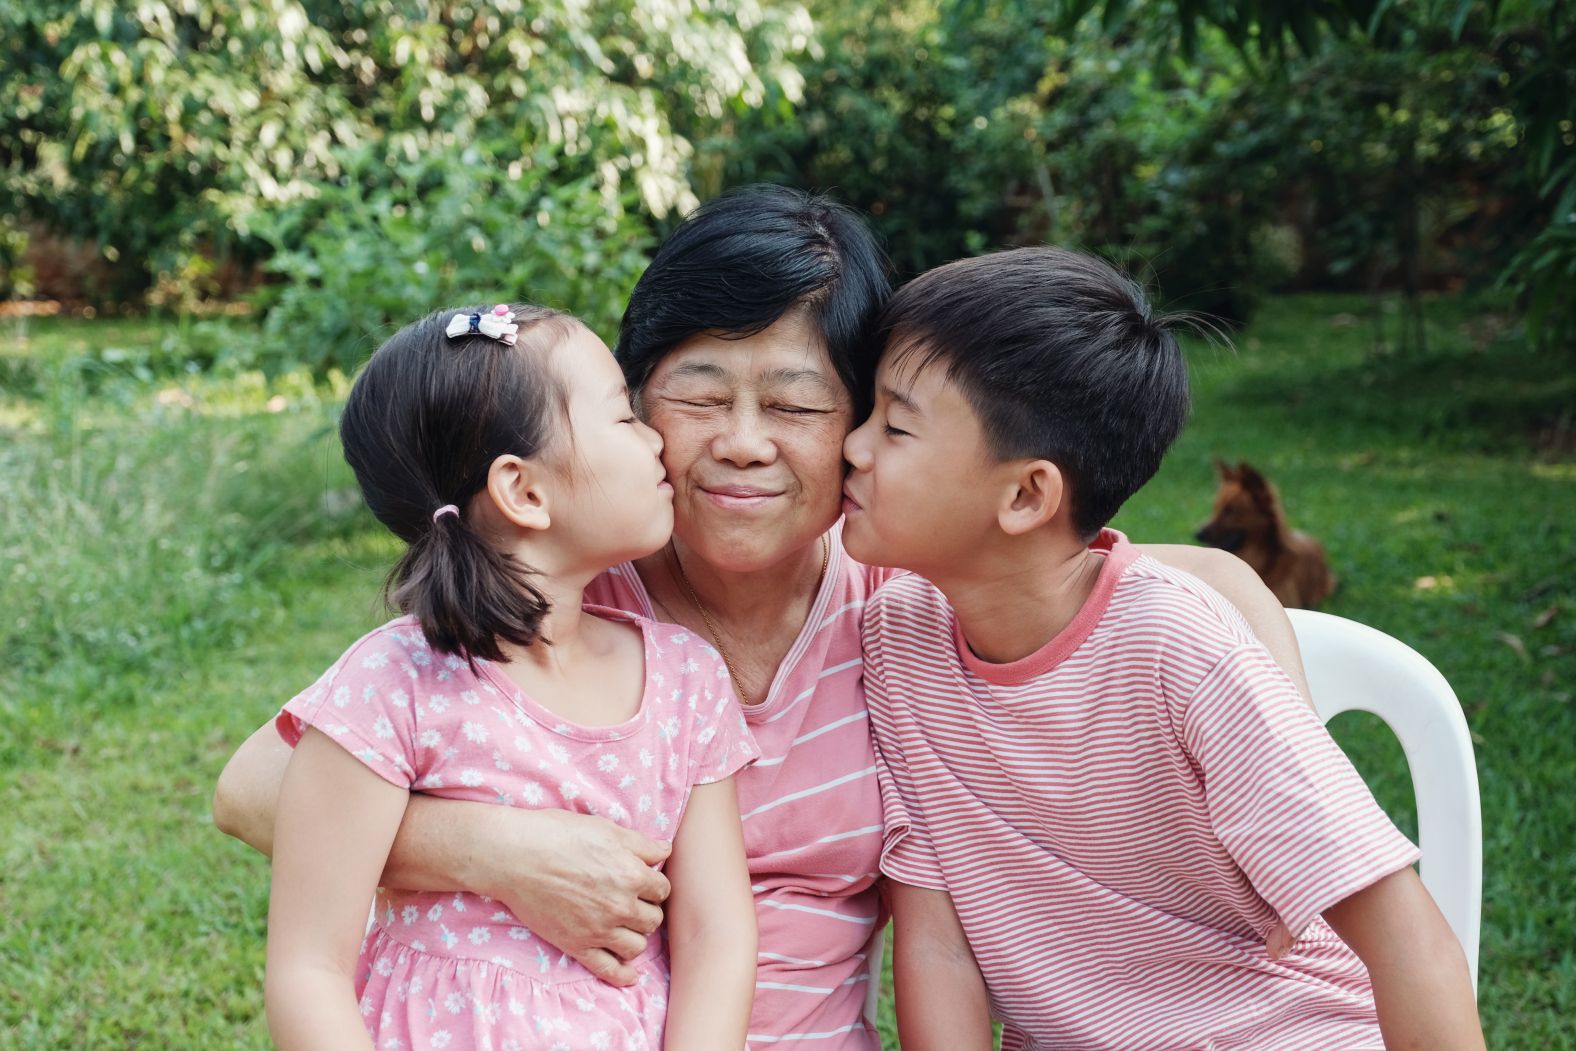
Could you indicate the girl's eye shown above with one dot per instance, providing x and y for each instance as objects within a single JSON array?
[
  {"x": 627, "y": 419},
  {"x": 893, "y": 432}
]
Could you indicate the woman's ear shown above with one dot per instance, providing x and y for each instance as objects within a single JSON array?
[
  {"x": 1034, "y": 495},
  {"x": 518, "y": 492}
]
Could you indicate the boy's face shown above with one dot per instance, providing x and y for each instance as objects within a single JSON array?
[{"x": 923, "y": 488}]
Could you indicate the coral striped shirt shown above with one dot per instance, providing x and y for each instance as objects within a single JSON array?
[
  {"x": 812, "y": 818},
  {"x": 1122, "y": 817}
]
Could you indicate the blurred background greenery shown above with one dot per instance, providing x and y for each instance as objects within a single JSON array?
[
  {"x": 212, "y": 210},
  {"x": 341, "y": 164}
]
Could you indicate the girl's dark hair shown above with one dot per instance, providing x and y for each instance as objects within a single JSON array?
[
  {"x": 741, "y": 261},
  {"x": 424, "y": 422}
]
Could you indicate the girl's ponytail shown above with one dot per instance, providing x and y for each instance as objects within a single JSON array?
[
  {"x": 466, "y": 593},
  {"x": 423, "y": 424}
]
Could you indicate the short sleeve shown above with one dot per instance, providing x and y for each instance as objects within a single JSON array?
[
  {"x": 363, "y": 703},
  {"x": 1282, "y": 796},
  {"x": 907, "y": 854},
  {"x": 906, "y": 851},
  {"x": 723, "y": 743}
]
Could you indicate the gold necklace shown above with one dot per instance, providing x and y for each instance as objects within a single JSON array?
[{"x": 711, "y": 625}]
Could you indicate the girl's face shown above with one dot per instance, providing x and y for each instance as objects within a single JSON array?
[
  {"x": 615, "y": 503},
  {"x": 753, "y": 431}
]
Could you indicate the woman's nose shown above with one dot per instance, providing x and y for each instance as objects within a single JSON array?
[{"x": 746, "y": 439}]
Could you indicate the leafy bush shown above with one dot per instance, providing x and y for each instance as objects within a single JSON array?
[
  {"x": 379, "y": 248},
  {"x": 170, "y": 129}
]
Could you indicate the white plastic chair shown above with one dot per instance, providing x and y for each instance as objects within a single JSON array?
[{"x": 1354, "y": 667}]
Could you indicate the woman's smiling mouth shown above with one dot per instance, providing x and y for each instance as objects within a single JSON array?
[{"x": 740, "y": 497}]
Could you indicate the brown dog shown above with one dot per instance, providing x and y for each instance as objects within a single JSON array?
[{"x": 1249, "y": 522}]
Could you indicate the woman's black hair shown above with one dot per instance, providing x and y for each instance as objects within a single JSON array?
[
  {"x": 424, "y": 422},
  {"x": 741, "y": 261}
]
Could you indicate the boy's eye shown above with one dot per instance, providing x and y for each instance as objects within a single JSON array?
[{"x": 893, "y": 432}]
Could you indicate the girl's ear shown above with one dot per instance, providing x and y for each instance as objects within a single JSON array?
[
  {"x": 518, "y": 491},
  {"x": 1034, "y": 495}
]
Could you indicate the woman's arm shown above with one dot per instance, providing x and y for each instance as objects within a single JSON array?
[
  {"x": 1235, "y": 580},
  {"x": 1422, "y": 988},
  {"x": 941, "y": 1000},
  {"x": 325, "y": 870},
  {"x": 583, "y": 883},
  {"x": 711, "y": 925}
]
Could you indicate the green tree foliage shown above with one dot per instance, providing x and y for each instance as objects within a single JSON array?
[
  {"x": 1533, "y": 44},
  {"x": 1221, "y": 148},
  {"x": 171, "y": 128}
]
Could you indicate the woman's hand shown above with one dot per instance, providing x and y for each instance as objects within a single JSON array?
[{"x": 583, "y": 883}]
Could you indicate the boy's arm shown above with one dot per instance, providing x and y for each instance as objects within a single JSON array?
[
  {"x": 583, "y": 883},
  {"x": 941, "y": 999},
  {"x": 1236, "y": 582},
  {"x": 1422, "y": 988},
  {"x": 711, "y": 925}
]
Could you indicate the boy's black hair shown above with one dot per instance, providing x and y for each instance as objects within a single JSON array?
[
  {"x": 1061, "y": 358},
  {"x": 743, "y": 260},
  {"x": 424, "y": 422}
]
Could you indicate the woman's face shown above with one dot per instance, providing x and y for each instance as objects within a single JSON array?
[{"x": 753, "y": 434}]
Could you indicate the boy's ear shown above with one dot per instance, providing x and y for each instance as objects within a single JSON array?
[
  {"x": 517, "y": 491},
  {"x": 1034, "y": 496}
]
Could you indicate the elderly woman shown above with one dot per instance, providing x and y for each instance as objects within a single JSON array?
[{"x": 748, "y": 344}]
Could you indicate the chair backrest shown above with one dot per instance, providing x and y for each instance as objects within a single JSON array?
[{"x": 1354, "y": 667}]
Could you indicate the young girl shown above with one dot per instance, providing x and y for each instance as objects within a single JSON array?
[{"x": 501, "y": 447}]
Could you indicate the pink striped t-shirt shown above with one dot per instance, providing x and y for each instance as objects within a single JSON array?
[
  {"x": 812, "y": 818},
  {"x": 1122, "y": 817}
]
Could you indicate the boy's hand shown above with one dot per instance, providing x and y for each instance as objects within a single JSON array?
[{"x": 1422, "y": 988}]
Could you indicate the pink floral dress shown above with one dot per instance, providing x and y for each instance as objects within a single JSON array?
[{"x": 458, "y": 970}]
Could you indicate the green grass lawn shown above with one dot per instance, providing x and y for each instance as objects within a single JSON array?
[{"x": 179, "y": 554}]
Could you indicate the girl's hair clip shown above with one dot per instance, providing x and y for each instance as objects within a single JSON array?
[{"x": 497, "y": 324}]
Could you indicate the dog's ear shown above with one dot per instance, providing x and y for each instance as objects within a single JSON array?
[
  {"x": 1250, "y": 478},
  {"x": 1223, "y": 469}
]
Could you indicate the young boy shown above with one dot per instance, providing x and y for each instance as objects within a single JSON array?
[{"x": 1112, "y": 822}]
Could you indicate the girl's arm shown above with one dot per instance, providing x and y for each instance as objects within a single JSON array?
[
  {"x": 336, "y": 821},
  {"x": 941, "y": 1000},
  {"x": 1236, "y": 582},
  {"x": 711, "y": 925},
  {"x": 1422, "y": 988},
  {"x": 583, "y": 883}
]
